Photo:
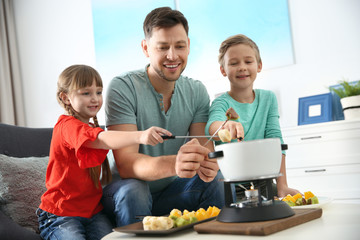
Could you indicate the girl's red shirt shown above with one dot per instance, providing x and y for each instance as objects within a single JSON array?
[{"x": 70, "y": 190}]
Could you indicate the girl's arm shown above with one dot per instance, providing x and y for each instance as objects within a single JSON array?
[{"x": 120, "y": 139}]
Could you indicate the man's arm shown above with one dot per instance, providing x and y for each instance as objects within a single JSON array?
[
  {"x": 132, "y": 164},
  {"x": 189, "y": 160}
]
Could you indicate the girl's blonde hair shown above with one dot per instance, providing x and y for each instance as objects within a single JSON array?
[
  {"x": 74, "y": 78},
  {"x": 235, "y": 40}
]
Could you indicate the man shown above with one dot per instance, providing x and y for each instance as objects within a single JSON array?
[{"x": 172, "y": 174}]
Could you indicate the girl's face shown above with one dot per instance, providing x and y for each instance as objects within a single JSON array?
[
  {"x": 85, "y": 101},
  {"x": 241, "y": 67}
]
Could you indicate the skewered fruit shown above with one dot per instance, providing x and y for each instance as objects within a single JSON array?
[{"x": 224, "y": 135}]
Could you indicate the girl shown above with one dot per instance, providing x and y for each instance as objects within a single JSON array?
[{"x": 71, "y": 208}]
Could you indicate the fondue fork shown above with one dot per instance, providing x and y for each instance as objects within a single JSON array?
[
  {"x": 174, "y": 137},
  {"x": 214, "y": 135},
  {"x": 230, "y": 115}
]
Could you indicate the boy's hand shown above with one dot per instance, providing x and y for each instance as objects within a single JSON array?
[
  {"x": 236, "y": 130},
  {"x": 189, "y": 158},
  {"x": 152, "y": 136}
]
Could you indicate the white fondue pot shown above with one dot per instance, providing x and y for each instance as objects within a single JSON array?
[{"x": 249, "y": 160}]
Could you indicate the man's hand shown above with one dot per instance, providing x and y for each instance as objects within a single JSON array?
[
  {"x": 189, "y": 159},
  {"x": 208, "y": 169}
]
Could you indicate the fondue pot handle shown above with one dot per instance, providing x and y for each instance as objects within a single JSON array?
[
  {"x": 284, "y": 147},
  {"x": 216, "y": 154}
]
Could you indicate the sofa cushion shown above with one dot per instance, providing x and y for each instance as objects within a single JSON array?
[{"x": 22, "y": 182}]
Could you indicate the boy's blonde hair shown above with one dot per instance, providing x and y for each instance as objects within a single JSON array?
[
  {"x": 74, "y": 78},
  {"x": 235, "y": 40}
]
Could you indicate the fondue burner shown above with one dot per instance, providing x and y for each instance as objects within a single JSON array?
[{"x": 254, "y": 206}]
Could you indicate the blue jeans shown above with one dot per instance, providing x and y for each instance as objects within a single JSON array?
[
  {"x": 125, "y": 199},
  {"x": 56, "y": 227}
]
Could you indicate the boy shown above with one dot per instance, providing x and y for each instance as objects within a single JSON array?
[{"x": 240, "y": 61}]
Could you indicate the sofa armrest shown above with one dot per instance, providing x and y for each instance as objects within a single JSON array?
[
  {"x": 10, "y": 230},
  {"x": 18, "y": 141}
]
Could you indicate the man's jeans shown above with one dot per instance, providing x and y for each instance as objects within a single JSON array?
[
  {"x": 56, "y": 227},
  {"x": 125, "y": 199}
]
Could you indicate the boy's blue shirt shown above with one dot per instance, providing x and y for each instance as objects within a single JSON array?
[{"x": 260, "y": 118}]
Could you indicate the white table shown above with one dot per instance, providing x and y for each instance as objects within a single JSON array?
[{"x": 338, "y": 221}]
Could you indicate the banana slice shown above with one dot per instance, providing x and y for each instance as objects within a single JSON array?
[
  {"x": 224, "y": 135},
  {"x": 157, "y": 223}
]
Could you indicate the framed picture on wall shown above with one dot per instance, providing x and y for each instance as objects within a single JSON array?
[{"x": 315, "y": 109}]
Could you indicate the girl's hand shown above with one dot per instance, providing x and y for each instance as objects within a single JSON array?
[
  {"x": 152, "y": 136},
  {"x": 236, "y": 130}
]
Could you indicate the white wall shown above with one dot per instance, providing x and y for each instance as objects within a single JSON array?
[{"x": 53, "y": 34}]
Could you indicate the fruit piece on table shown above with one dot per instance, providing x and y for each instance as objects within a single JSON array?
[
  {"x": 173, "y": 217},
  {"x": 297, "y": 196},
  {"x": 187, "y": 215},
  {"x": 200, "y": 214},
  {"x": 193, "y": 219},
  {"x": 290, "y": 203},
  {"x": 289, "y": 198},
  {"x": 212, "y": 211},
  {"x": 299, "y": 202},
  {"x": 157, "y": 223},
  {"x": 313, "y": 200},
  {"x": 308, "y": 195},
  {"x": 180, "y": 222},
  {"x": 175, "y": 212}
]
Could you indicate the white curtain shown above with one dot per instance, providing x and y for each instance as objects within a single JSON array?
[{"x": 11, "y": 94}]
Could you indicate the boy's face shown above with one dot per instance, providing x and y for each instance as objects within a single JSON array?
[
  {"x": 240, "y": 66},
  {"x": 168, "y": 50}
]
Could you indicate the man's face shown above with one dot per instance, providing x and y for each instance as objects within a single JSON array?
[{"x": 168, "y": 50}]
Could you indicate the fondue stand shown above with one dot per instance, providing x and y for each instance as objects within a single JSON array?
[
  {"x": 256, "y": 161},
  {"x": 254, "y": 206}
]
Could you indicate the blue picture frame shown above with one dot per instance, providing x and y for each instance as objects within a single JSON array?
[{"x": 315, "y": 109}]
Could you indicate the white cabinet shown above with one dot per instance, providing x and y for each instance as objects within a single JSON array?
[{"x": 324, "y": 158}]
